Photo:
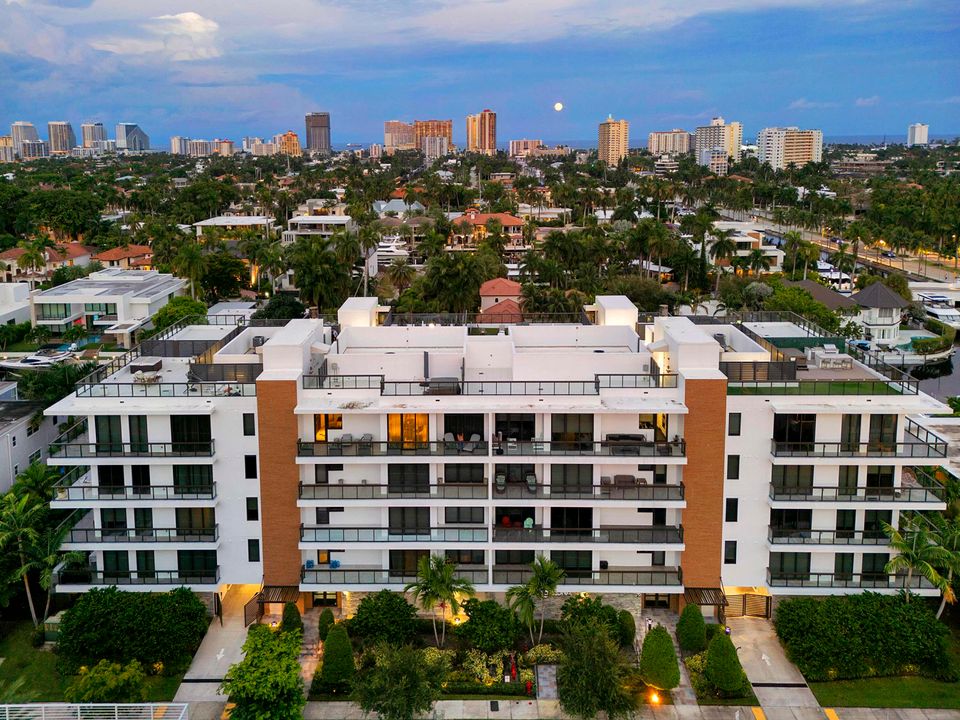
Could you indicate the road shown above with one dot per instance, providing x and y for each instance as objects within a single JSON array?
[{"x": 921, "y": 268}]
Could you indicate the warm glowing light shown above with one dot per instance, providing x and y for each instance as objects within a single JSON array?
[
  {"x": 654, "y": 698},
  {"x": 558, "y": 106}
]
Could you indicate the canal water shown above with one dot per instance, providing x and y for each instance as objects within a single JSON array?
[{"x": 941, "y": 380}]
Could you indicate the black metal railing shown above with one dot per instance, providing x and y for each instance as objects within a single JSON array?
[
  {"x": 936, "y": 449},
  {"x": 116, "y": 449},
  {"x": 789, "y": 536},
  {"x": 326, "y": 534},
  {"x": 640, "y": 448},
  {"x": 175, "y": 389},
  {"x": 376, "y": 448},
  {"x": 817, "y": 387},
  {"x": 628, "y": 578},
  {"x": 143, "y": 535},
  {"x": 82, "y": 490},
  {"x": 519, "y": 490},
  {"x": 456, "y": 386},
  {"x": 90, "y": 576},
  {"x": 377, "y": 491},
  {"x": 662, "y": 535},
  {"x": 858, "y": 494},
  {"x": 376, "y": 576},
  {"x": 867, "y": 581},
  {"x": 343, "y": 382}
]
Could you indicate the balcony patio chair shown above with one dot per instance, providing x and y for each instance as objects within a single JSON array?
[
  {"x": 366, "y": 443},
  {"x": 343, "y": 441},
  {"x": 531, "y": 483},
  {"x": 471, "y": 445},
  {"x": 501, "y": 483},
  {"x": 449, "y": 442}
]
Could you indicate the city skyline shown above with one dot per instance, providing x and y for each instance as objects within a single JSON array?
[{"x": 212, "y": 70}]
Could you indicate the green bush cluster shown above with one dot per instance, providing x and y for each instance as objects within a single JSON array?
[
  {"x": 336, "y": 674},
  {"x": 863, "y": 635},
  {"x": 497, "y": 688},
  {"x": 722, "y": 668},
  {"x": 588, "y": 611},
  {"x": 108, "y": 682},
  {"x": 385, "y": 617},
  {"x": 490, "y": 626},
  {"x": 160, "y": 630},
  {"x": 324, "y": 623},
  {"x": 691, "y": 629},
  {"x": 658, "y": 660},
  {"x": 291, "y": 619},
  {"x": 627, "y": 627},
  {"x": 946, "y": 336}
]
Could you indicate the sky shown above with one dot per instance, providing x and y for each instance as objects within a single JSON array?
[{"x": 229, "y": 68}]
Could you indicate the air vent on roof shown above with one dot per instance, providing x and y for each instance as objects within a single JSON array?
[{"x": 258, "y": 340}]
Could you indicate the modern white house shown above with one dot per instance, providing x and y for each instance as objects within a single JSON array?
[
  {"x": 880, "y": 311},
  {"x": 726, "y": 463},
  {"x": 227, "y": 223},
  {"x": 25, "y": 436},
  {"x": 111, "y": 302},
  {"x": 14, "y": 303},
  {"x": 322, "y": 225}
]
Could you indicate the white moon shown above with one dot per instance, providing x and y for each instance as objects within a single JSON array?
[{"x": 558, "y": 106}]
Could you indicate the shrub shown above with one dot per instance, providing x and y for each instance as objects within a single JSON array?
[
  {"x": 338, "y": 669},
  {"x": 398, "y": 683},
  {"x": 592, "y": 677},
  {"x": 152, "y": 628},
  {"x": 498, "y": 688},
  {"x": 863, "y": 635},
  {"x": 542, "y": 654},
  {"x": 658, "y": 660},
  {"x": 722, "y": 667},
  {"x": 108, "y": 682},
  {"x": 325, "y": 622},
  {"x": 691, "y": 629},
  {"x": 712, "y": 629},
  {"x": 627, "y": 627},
  {"x": 385, "y": 617},
  {"x": 490, "y": 626},
  {"x": 577, "y": 610},
  {"x": 267, "y": 682},
  {"x": 291, "y": 619}
]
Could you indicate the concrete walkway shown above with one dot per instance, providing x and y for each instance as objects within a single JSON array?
[
  {"x": 221, "y": 648},
  {"x": 776, "y": 681}
]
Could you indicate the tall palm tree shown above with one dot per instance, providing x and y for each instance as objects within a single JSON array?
[
  {"x": 401, "y": 274},
  {"x": 947, "y": 534},
  {"x": 188, "y": 264},
  {"x": 19, "y": 519},
  {"x": 437, "y": 586},
  {"x": 723, "y": 248},
  {"x": 36, "y": 482},
  {"x": 523, "y": 599},
  {"x": 758, "y": 261},
  {"x": 46, "y": 556},
  {"x": 321, "y": 278},
  {"x": 917, "y": 553},
  {"x": 792, "y": 245}
]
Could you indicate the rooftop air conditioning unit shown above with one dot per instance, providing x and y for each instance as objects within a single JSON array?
[{"x": 258, "y": 340}]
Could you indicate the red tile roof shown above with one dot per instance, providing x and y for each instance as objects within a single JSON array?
[
  {"x": 500, "y": 287},
  {"x": 58, "y": 253},
  {"x": 479, "y": 218},
  {"x": 120, "y": 253},
  {"x": 504, "y": 311}
]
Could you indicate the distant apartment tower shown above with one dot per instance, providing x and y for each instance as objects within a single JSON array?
[
  {"x": 33, "y": 149},
  {"x": 781, "y": 147},
  {"x": 318, "y": 132},
  {"x": 263, "y": 149},
  {"x": 435, "y": 147},
  {"x": 482, "y": 132},
  {"x": 718, "y": 136},
  {"x": 521, "y": 148},
  {"x": 669, "y": 142},
  {"x": 199, "y": 148},
  {"x": 130, "y": 137},
  {"x": 288, "y": 144},
  {"x": 22, "y": 131},
  {"x": 432, "y": 128},
  {"x": 613, "y": 141},
  {"x": 224, "y": 148},
  {"x": 91, "y": 134},
  {"x": 715, "y": 160},
  {"x": 398, "y": 135},
  {"x": 61, "y": 136},
  {"x": 917, "y": 134},
  {"x": 179, "y": 145},
  {"x": 376, "y": 151},
  {"x": 6, "y": 149},
  {"x": 249, "y": 141}
]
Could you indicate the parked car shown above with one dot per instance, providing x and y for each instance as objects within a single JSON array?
[
  {"x": 862, "y": 344},
  {"x": 889, "y": 254}
]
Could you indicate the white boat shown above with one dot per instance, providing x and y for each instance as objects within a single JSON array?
[
  {"x": 44, "y": 358},
  {"x": 944, "y": 313},
  {"x": 390, "y": 249}
]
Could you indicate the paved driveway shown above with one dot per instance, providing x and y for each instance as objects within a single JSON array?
[{"x": 776, "y": 681}]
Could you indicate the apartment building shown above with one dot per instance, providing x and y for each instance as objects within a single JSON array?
[
  {"x": 482, "y": 132},
  {"x": 522, "y": 148},
  {"x": 683, "y": 459},
  {"x": 318, "y": 132},
  {"x": 423, "y": 129},
  {"x": 669, "y": 142},
  {"x": 398, "y": 135},
  {"x": 62, "y": 139},
  {"x": 917, "y": 134},
  {"x": 781, "y": 147},
  {"x": 716, "y": 140},
  {"x": 613, "y": 141}
]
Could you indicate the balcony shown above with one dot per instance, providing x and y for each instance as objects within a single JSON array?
[
  {"x": 70, "y": 450},
  {"x": 379, "y": 491},
  {"x": 92, "y": 576},
  {"x": 326, "y": 534},
  {"x": 667, "y": 576},
  {"x": 607, "y": 448},
  {"x": 666, "y": 535},
  {"x": 865, "y": 581},
  {"x": 364, "y": 447},
  {"x": 902, "y": 494},
  {"x": 539, "y": 491},
  {"x": 84, "y": 536},
  {"x": 907, "y": 450},
  {"x": 784, "y": 536},
  {"x": 78, "y": 486},
  {"x": 377, "y": 576}
]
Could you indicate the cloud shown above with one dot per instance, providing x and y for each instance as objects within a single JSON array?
[
  {"x": 871, "y": 101},
  {"x": 181, "y": 37},
  {"x": 952, "y": 100},
  {"x": 804, "y": 104}
]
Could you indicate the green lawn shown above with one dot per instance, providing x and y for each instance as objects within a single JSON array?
[
  {"x": 891, "y": 692},
  {"x": 29, "y": 674}
]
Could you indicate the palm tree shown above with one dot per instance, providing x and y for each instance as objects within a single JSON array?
[
  {"x": 188, "y": 263},
  {"x": 319, "y": 275},
  {"x": 19, "y": 519},
  {"x": 758, "y": 261},
  {"x": 917, "y": 553},
  {"x": 401, "y": 274},
  {"x": 792, "y": 245},
  {"x": 46, "y": 556},
  {"x": 437, "y": 586},
  {"x": 947, "y": 534},
  {"x": 36, "y": 482},
  {"x": 545, "y": 577},
  {"x": 723, "y": 248}
]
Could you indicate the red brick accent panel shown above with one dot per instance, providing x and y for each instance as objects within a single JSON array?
[
  {"x": 279, "y": 481},
  {"x": 705, "y": 432}
]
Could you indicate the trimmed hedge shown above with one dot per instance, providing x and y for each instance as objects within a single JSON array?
[
  {"x": 385, "y": 616},
  {"x": 160, "y": 630},
  {"x": 514, "y": 689},
  {"x": 291, "y": 619},
  {"x": 658, "y": 660},
  {"x": 865, "y": 635},
  {"x": 627, "y": 627},
  {"x": 336, "y": 675},
  {"x": 691, "y": 629},
  {"x": 722, "y": 668},
  {"x": 947, "y": 336},
  {"x": 324, "y": 623},
  {"x": 490, "y": 626}
]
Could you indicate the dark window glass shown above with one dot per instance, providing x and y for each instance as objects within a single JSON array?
[
  {"x": 850, "y": 433},
  {"x": 403, "y": 563},
  {"x": 321, "y": 474},
  {"x": 110, "y": 479},
  {"x": 883, "y": 432},
  {"x": 733, "y": 467},
  {"x": 116, "y": 564},
  {"x": 470, "y": 515},
  {"x": 465, "y": 557},
  {"x": 253, "y": 550},
  {"x": 790, "y": 566},
  {"x": 192, "y": 479},
  {"x": 873, "y": 564},
  {"x": 574, "y": 429},
  {"x": 193, "y": 563},
  {"x": 873, "y": 521},
  {"x": 190, "y": 433},
  {"x": 455, "y": 473},
  {"x": 513, "y": 557},
  {"x": 140, "y": 476},
  {"x": 195, "y": 519},
  {"x": 249, "y": 424},
  {"x": 138, "y": 434},
  {"x": 847, "y": 479},
  {"x": 571, "y": 479},
  {"x": 792, "y": 478},
  {"x": 109, "y": 438},
  {"x": 250, "y": 466},
  {"x": 408, "y": 478},
  {"x": 797, "y": 429},
  {"x": 729, "y": 552},
  {"x": 515, "y": 425},
  {"x": 146, "y": 565},
  {"x": 733, "y": 424},
  {"x": 409, "y": 520},
  {"x": 113, "y": 521},
  {"x": 253, "y": 509},
  {"x": 576, "y": 563},
  {"x": 843, "y": 566},
  {"x": 730, "y": 510},
  {"x": 466, "y": 425}
]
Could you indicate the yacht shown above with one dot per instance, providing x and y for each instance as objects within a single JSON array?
[
  {"x": 43, "y": 358},
  {"x": 390, "y": 249},
  {"x": 944, "y": 313}
]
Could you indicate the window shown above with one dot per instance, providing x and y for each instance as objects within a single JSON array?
[
  {"x": 574, "y": 521},
  {"x": 253, "y": 509},
  {"x": 873, "y": 564},
  {"x": 570, "y": 428},
  {"x": 733, "y": 467},
  {"x": 658, "y": 558},
  {"x": 146, "y": 565},
  {"x": 408, "y": 478},
  {"x": 116, "y": 564},
  {"x": 30, "y": 430},
  {"x": 730, "y": 510},
  {"x": 250, "y": 466},
  {"x": 792, "y": 479},
  {"x": 13, "y": 440},
  {"x": 249, "y": 424},
  {"x": 513, "y": 557},
  {"x": 403, "y": 563},
  {"x": 879, "y": 480},
  {"x": 143, "y": 518},
  {"x": 795, "y": 430},
  {"x": 110, "y": 479},
  {"x": 473, "y": 515},
  {"x": 190, "y": 433},
  {"x": 883, "y": 432},
  {"x": 791, "y": 519},
  {"x": 729, "y": 552},
  {"x": 201, "y": 564},
  {"x": 253, "y": 550},
  {"x": 109, "y": 439},
  {"x": 195, "y": 519},
  {"x": 408, "y": 428},
  {"x": 113, "y": 522},
  {"x": 466, "y": 425},
  {"x": 733, "y": 424},
  {"x": 843, "y": 566},
  {"x": 141, "y": 479},
  {"x": 464, "y": 557},
  {"x": 34, "y": 457},
  {"x": 192, "y": 479},
  {"x": 790, "y": 566},
  {"x": 571, "y": 479},
  {"x": 521, "y": 426},
  {"x": 409, "y": 520},
  {"x": 873, "y": 523},
  {"x": 576, "y": 563},
  {"x": 458, "y": 474},
  {"x": 847, "y": 480},
  {"x": 323, "y": 423},
  {"x": 138, "y": 434},
  {"x": 850, "y": 433}
]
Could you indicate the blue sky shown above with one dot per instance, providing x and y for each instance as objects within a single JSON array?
[{"x": 228, "y": 68}]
